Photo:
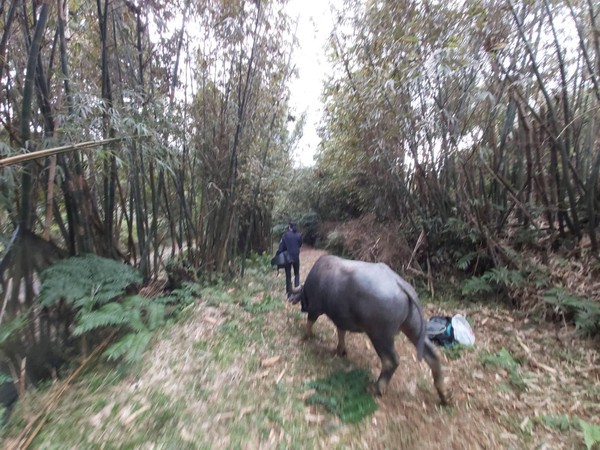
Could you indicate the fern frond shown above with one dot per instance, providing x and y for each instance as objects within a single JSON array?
[
  {"x": 155, "y": 315},
  {"x": 585, "y": 313},
  {"x": 135, "y": 320},
  {"x": 135, "y": 302},
  {"x": 131, "y": 347},
  {"x": 136, "y": 307},
  {"x": 9, "y": 328},
  {"x": 165, "y": 299},
  {"x": 591, "y": 433},
  {"x": 111, "y": 314},
  {"x": 464, "y": 262},
  {"x": 476, "y": 285},
  {"x": 88, "y": 277},
  {"x": 188, "y": 292},
  {"x": 4, "y": 378},
  {"x": 502, "y": 276}
]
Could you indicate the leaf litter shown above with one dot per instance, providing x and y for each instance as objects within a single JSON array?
[{"x": 227, "y": 377}]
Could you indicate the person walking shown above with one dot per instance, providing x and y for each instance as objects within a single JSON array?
[{"x": 291, "y": 241}]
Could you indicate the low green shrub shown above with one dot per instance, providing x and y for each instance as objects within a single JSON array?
[{"x": 584, "y": 313}]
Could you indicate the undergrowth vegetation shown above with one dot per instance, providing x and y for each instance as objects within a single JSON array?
[
  {"x": 504, "y": 360},
  {"x": 344, "y": 394},
  {"x": 230, "y": 371},
  {"x": 97, "y": 288},
  {"x": 549, "y": 285}
]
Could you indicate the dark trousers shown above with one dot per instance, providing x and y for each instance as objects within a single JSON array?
[{"x": 288, "y": 276}]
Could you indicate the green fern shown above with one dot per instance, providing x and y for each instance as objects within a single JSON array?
[
  {"x": 464, "y": 262},
  {"x": 88, "y": 278},
  {"x": 476, "y": 285},
  {"x": 187, "y": 293},
  {"x": 493, "y": 280},
  {"x": 502, "y": 276},
  {"x": 5, "y": 378},
  {"x": 111, "y": 314},
  {"x": 130, "y": 347},
  {"x": 95, "y": 286},
  {"x": 504, "y": 360},
  {"x": 145, "y": 312},
  {"x": 591, "y": 434},
  {"x": 136, "y": 312},
  {"x": 137, "y": 315},
  {"x": 585, "y": 313},
  {"x": 155, "y": 315},
  {"x": 459, "y": 229},
  {"x": 10, "y": 328}
]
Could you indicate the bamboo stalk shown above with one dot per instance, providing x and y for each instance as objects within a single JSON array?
[
  {"x": 11, "y": 160},
  {"x": 49, "y": 197}
]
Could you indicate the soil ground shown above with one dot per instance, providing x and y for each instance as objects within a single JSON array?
[
  {"x": 233, "y": 374},
  {"x": 561, "y": 374}
]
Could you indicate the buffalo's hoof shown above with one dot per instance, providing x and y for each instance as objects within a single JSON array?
[
  {"x": 445, "y": 398},
  {"x": 373, "y": 389},
  {"x": 341, "y": 352}
]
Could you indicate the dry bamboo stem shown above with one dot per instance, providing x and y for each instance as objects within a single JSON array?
[{"x": 27, "y": 436}]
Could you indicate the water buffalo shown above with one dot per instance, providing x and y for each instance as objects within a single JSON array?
[{"x": 371, "y": 298}]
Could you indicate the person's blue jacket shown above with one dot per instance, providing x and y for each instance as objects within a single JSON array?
[{"x": 291, "y": 241}]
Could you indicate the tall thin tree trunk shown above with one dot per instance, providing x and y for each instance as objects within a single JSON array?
[
  {"x": 26, "y": 112},
  {"x": 8, "y": 21}
]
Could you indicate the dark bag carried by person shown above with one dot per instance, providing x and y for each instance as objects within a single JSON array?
[{"x": 281, "y": 260}]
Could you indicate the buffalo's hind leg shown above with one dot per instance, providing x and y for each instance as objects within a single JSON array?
[
  {"x": 341, "y": 347},
  {"x": 385, "y": 347},
  {"x": 412, "y": 329},
  {"x": 432, "y": 359}
]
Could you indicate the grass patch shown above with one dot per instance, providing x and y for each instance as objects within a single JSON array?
[
  {"x": 263, "y": 306},
  {"x": 558, "y": 422},
  {"x": 104, "y": 377},
  {"x": 455, "y": 351},
  {"x": 504, "y": 360},
  {"x": 591, "y": 434},
  {"x": 344, "y": 394},
  {"x": 217, "y": 295}
]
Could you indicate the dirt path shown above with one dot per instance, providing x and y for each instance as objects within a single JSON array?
[
  {"x": 308, "y": 257},
  {"x": 233, "y": 373},
  {"x": 528, "y": 399}
]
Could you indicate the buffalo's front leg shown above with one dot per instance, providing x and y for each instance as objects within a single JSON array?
[
  {"x": 341, "y": 347},
  {"x": 385, "y": 348}
]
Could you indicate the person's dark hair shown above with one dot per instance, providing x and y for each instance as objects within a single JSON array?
[{"x": 293, "y": 226}]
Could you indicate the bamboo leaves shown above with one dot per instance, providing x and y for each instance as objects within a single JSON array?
[{"x": 419, "y": 91}]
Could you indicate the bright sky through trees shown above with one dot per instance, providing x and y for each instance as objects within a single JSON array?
[{"x": 315, "y": 23}]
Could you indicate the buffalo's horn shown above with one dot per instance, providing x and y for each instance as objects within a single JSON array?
[{"x": 297, "y": 290}]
